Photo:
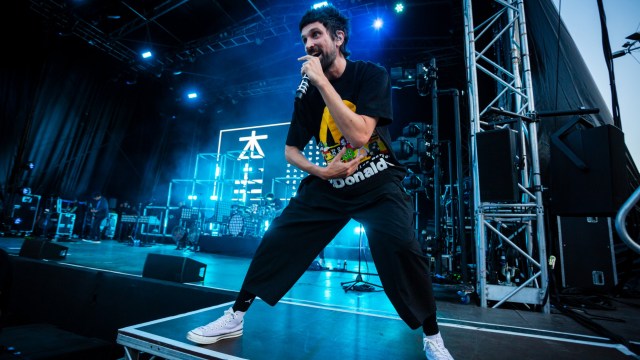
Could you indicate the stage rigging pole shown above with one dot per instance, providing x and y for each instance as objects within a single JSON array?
[{"x": 513, "y": 90}]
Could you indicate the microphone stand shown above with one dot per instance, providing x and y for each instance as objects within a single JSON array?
[{"x": 359, "y": 284}]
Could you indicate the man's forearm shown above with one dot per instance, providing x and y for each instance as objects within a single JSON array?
[
  {"x": 356, "y": 128},
  {"x": 295, "y": 157}
]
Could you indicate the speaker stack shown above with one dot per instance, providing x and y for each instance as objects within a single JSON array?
[{"x": 589, "y": 183}]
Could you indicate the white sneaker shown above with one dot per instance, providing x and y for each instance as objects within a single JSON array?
[
  {"x": 227, "y": 326},
  {"x": 433, "y": 347}
]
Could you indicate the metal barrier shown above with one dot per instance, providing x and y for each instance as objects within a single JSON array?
[{"x": 622, "y": 216}]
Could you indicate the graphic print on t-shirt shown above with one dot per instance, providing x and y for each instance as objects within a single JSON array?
[{"x": 331, "y": 141}]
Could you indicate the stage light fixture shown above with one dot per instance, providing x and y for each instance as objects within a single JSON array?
[
  {"x": 399, "y": 8},
  {"x": 413, "y": 181},
  {"x": 147, "y": 54},
  {"x": 416, "y": 129},
  {"x": 319, "y": 5},
  {"x": 30, "y": 165},
  {"x": 26, "y": 191},
  {"x": 17, "y": 221},
  {"x": 192, "y": 95},
  {"x": 378, "y": 23},
  {"x": 402, "y": 77}
]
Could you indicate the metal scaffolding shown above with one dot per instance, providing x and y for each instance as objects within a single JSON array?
[{"x": 496, "y": 53}]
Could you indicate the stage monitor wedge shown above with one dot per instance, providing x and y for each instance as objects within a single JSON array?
[
  {"x": 43, "y": 249},
  {"x": 173, "y": 268}
]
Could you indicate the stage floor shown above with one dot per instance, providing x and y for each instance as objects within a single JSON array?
[
  {"x": 298, "y": 331},
  {"x": 319, "y": 320}
]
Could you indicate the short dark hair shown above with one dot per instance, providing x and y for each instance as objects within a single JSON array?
[
  {"x": 332, "y": 19},
  {"x": 96, "y": 194}
]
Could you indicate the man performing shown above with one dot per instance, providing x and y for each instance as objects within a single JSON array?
[
  {"x": 100, "y": 211},
  {"x": 346, "y": 109}
]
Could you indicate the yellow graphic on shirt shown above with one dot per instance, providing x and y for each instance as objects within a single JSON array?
[
  {"x": 332, "y": 140},
  {"x": 327, "y": 122}
]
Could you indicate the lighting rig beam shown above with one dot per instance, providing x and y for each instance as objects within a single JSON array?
[{"x": 142, "y": 20}]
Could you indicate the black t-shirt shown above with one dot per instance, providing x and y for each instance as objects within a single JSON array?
[{"x": 365, "y": 88}]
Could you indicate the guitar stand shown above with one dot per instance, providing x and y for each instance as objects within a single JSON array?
[
  {"x": 359, "y": 284},
  {"x": 133, "y": 241}
]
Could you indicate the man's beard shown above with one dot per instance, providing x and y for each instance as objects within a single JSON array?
[{"x": 328, "y": 59}]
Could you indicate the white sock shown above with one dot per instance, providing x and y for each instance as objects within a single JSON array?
[{"x": 437, "y": 338}]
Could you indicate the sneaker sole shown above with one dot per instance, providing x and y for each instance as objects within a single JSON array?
[{"x": 206, "y": 340}]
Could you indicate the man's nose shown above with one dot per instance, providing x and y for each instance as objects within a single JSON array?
[{"x": 310, "y": 46}]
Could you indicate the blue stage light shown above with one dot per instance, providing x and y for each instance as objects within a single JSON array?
[
  {"x": 320, "y": 4},
  {"x": 147, "y": 54},
  {"x": 378, "y": 23},
  {"x": 399, "y": 7},
  {"x": 192, "y": 95}
]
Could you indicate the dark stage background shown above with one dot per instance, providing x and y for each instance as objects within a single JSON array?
[{"x": 91, "y": 121}]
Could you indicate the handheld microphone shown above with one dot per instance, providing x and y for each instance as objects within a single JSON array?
[{"x": 302, "y": 88}]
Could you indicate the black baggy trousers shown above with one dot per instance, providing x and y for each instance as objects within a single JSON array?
[{"x": 315, "y": 216}]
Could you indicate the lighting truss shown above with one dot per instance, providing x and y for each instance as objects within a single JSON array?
[
  {"x": 93, "y": 36},
  {"x": 505, "y": 32},
  {"x": 231, "y": 38}
]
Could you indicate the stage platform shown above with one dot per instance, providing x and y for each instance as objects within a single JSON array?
[
  {"x": 292, "y": 330},
  {"x": 317, "y": 319}
]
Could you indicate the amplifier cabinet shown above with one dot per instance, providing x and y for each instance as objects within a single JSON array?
[
  {"x": 24, "y": 213},
  {"x": 108, "y": 225},
  {"x": 587, "y": 254},
  {"x": 65, "y": 224}
]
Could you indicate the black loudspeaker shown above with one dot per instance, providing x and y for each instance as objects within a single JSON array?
[
  {"x": 42, "y": 249},
  {"x": 24, "y": 213},
  {"x": 587, "y": 254},
  {"x": 588, "y": 172},
  {"x": 497, "y": 165},
  {"x": 173, "y": 268}
]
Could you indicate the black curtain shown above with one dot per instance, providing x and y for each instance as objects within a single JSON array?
[{"x": 69, "y": 110}]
